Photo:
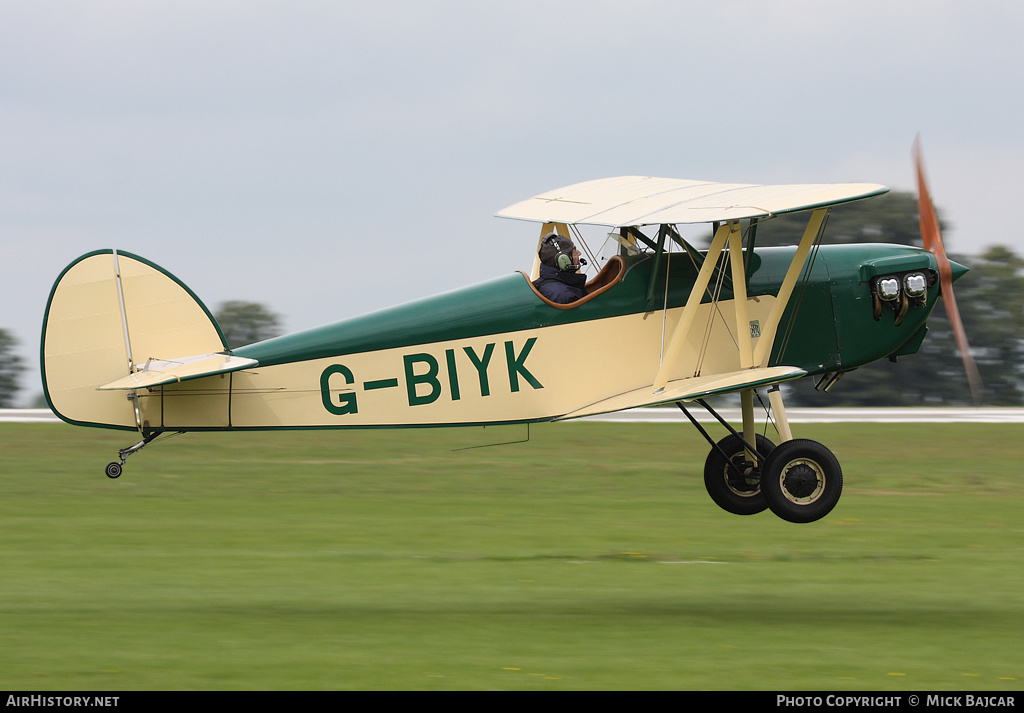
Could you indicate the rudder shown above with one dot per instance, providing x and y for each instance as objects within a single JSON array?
[{"x": 108, "y": 313}]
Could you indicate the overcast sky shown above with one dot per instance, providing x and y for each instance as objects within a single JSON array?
[{"x": 329, "y": 158}]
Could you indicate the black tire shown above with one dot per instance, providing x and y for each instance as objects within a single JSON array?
[
  {"x": 113, "y": 470},
  {"x": 740, "y": 496},
  {"x": 801, "y": 480}
]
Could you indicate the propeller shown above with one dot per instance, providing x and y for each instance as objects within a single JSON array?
[{"x": 932, "y": 237}]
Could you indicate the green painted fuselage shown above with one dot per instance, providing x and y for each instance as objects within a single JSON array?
[{"x": 829, "y": 325}]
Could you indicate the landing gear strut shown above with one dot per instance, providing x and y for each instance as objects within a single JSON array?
[
  {"x": 799, "y": 480},
  {"x": 115, "y": 468},
  {"x": 732, "y": 472}
]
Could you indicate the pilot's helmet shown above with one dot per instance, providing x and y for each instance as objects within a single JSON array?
[{"x": 556, "y": 251}]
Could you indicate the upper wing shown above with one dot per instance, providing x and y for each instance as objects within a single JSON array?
[{"x": 640, "y": 200}]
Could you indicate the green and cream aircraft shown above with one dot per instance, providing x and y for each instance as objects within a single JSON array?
[{"x": 126, "y": 345}]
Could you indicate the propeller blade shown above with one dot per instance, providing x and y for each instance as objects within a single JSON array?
[{"x": 932, "y": 237}]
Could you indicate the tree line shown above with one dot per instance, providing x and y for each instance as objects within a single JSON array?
[
  {"x": 241, "y": 322},
  {"x": 991, "y": 302},
  {"x": 990, "y": 298}
]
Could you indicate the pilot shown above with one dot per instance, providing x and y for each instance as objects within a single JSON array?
[{"x": 559, "y": 279}]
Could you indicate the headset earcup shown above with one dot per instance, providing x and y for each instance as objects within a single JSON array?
[{"x": 564, "y": 262}]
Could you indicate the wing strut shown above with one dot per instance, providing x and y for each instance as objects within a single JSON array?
[
  {"x": 727, "y": 233},
  {"x": 739, "y": 291},
  {"x": 675, "y": 346},
  {"x": 750, "y": 357},
  {"x": 763, "y": 351}
]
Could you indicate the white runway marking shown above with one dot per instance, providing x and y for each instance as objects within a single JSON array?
[
  {"x": 940, "y": 414},
  {"x": 947, "y": 414},
  {"x": 27, "y": 415}
]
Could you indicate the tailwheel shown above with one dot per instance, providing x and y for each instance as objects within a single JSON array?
[
  {"x": 115, "y": 468},
  {"x": 801, "y": 480},
  {"x": 734, "y": 482}
]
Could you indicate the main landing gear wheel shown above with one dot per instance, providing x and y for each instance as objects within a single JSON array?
[
  {"x": 801, "y": 480},
  {"x": 738, "y": 493},
  {"x": 113, "y": 470}
]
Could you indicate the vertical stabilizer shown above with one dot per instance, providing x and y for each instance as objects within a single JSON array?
[{"x": 108, "y": 313}]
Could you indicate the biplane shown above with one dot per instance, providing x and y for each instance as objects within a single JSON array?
[{"x": 126, "y": 345}]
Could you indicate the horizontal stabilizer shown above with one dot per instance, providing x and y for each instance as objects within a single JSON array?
[
  {"x": 693, "y": 388},
  {"x": 157, "y": 372}
]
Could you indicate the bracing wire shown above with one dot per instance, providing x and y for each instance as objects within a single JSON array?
[
  {"x": 664, "y": 311},
  {"x": 581, "y": 242},
  {"x": 709, "y": 323}
]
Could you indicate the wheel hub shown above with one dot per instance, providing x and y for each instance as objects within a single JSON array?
[
  {"x": 802, "y": 481},
  {"x": 750, "y": 482}
]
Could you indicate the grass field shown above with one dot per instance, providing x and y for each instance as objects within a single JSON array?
[{"x": 588, "y": 558}]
